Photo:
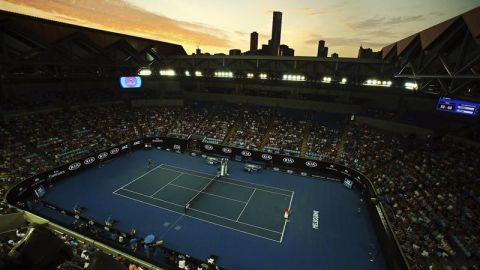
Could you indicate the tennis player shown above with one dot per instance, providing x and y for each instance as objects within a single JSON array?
[{"x": 150, "y": 163}]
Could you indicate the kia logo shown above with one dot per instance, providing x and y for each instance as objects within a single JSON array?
[
  {"x": 125, "y": 147},
  {"x": 137, "y": 142},
  {"x": 226, "y": 150},
  {"x": 74, "y": 166},
  {"x": 102, "y": 155},
  {"x": 208, "y": 147},
  {"x": 266, "y": 156},
  {"x": 176, "y": 147},
  {"x": 311, "y": 164},
  {"x": 288, "y": 160},
  {"x": 246, "y": 153},
  {"x": 114, "y": 151},
  {"x": 89, "y": 160}
]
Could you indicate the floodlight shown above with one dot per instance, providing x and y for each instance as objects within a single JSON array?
[{"x": 145, "y": 72}]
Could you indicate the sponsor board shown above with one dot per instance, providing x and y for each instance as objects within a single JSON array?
[
  {"x": 311, "y": 164},
  {"x": 56, "y": 173},
  {"x": 246, "y": 153},
  {"x": 177, "y": 147},
  {"x": 288, "y": 160},
  {"x": 124, "y": 147},
  {"x": 208, "y": 147},
  {"x": 102, "y": 155},
  {"x": 137, "y": 142},
  {"x": 74, "y": 166},
  {"x": 226, "y": 150},
  {"x": 89, "y": 160},
  {"x": 114, "y": 151},
  {"x": 267, "y": 157},
  {"x": 315, "y": 219}
]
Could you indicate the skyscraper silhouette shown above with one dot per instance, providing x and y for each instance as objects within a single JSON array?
[{"x": 276, "y": 32}]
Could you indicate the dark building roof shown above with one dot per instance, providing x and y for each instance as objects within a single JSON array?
[
  {"x": 428, "y": 36},
  {"x": 31, "y": 37}
]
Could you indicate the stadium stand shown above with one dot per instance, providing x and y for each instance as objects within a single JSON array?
[
  {"x": 252, "y": 124},
  {"x": 67, "y": 108},
  {"x": 433, "y": 218}
]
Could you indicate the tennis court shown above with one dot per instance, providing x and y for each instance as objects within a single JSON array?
[{"x": 238, "y": 205}]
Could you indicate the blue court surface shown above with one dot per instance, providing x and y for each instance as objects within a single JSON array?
[{"x": 239, "y": 218}]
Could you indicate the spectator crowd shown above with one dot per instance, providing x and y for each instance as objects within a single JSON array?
[{"x": 431, "y": 191}]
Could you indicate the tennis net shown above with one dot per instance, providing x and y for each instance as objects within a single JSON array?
[{"x": 188, "y": 205}]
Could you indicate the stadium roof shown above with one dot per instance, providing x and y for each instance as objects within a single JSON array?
[
  {"x": 31, "y": 40},
  {"x": 428, "y": 36}
]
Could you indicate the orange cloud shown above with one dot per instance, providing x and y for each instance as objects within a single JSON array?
[{"x": 121, "y": 17}]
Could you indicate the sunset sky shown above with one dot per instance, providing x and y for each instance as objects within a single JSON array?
[{"x": 217, "y": 26}]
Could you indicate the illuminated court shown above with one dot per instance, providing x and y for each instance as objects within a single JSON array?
[{"x": 245, "y": 207}]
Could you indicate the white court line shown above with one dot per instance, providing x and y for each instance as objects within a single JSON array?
[
  {"x": 213, "y": 223},
  {"x": 141, "y": 194},
  {"x": 255, "y": 184},
  {"x": 207, "y": 193},
  {"x": 213, "y": 215},
  {"x": 251, "y": 195},
  {"x": 286, "y": 220},
  {"x": 173, "y": 225},
  {"x": 193, "y": 209},
  {"x": 175, "y": 178},
  {"x": 138, "y": 177},
  {"x": 226, "y": 182}
]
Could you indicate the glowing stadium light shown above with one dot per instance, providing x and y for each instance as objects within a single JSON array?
[
  {"x": 375, "y": 82},
  {"x": 167, "y": 72},
  {"x": 251, "y": 75},
  {"x": 343, "y": 81},
  {"x": 290, "y": 77},
  {"x": 411, "y": 86},
  {"x": 263, "y": 76},
  {"x": 223, "y": 74},
  {"x": 145, "y": 72},
  {"x": 187, "y": 73},
  {"x": 198, "y": 74},
  {"x": 327, "y": 80}
]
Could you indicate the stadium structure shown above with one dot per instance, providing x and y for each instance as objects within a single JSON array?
[{"x": 122, "y": 152}]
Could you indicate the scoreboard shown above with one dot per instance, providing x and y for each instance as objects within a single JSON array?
[
  {"x": 131, "y": 82},
  {"x": 458, "y": 106}
]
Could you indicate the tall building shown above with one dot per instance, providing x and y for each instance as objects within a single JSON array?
[
  {"x": 322, "y": 50},
  {"x": 286, "y": 51},
  {"x": 235, "y": 52},
  {"x": 369, "y": 53},
  {"x": 276, "y": 32},
  {"x": 253, "y": 41}
]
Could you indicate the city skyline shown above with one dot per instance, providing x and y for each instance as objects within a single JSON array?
[{"x": 217, "y": 26}]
